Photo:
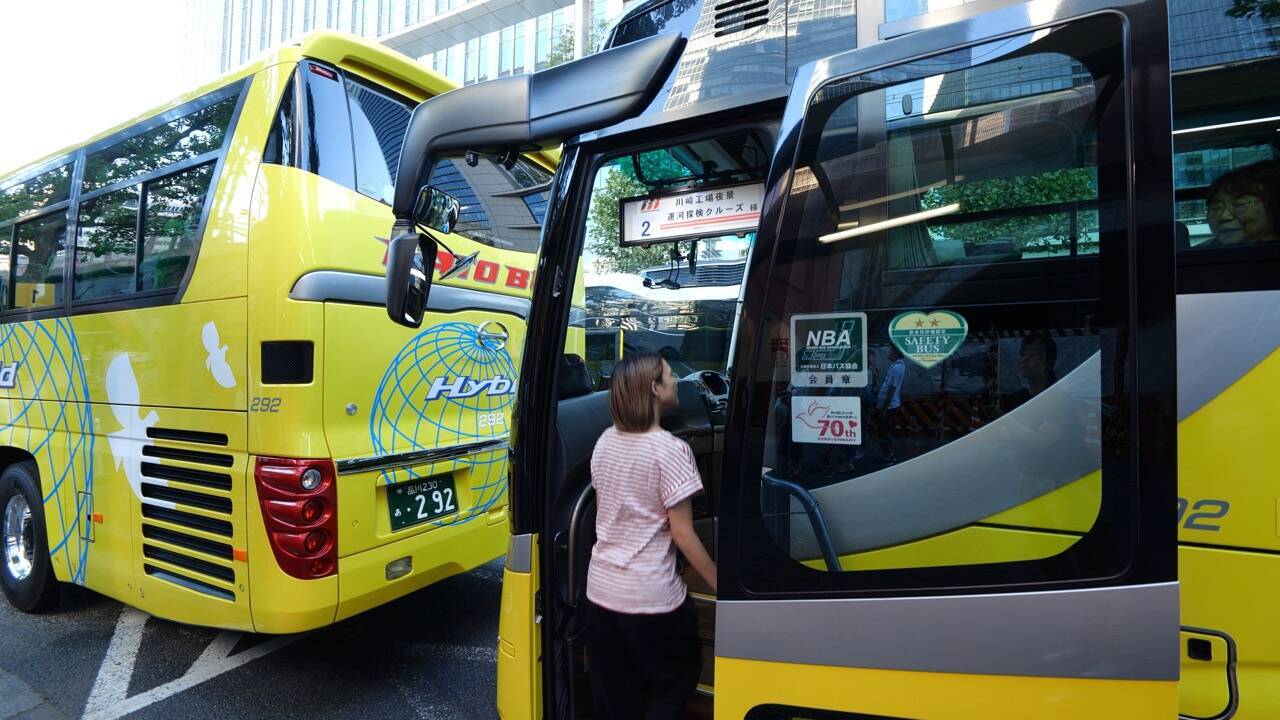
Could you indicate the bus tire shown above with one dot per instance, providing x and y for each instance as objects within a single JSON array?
[{"x": 26, "y": 570}]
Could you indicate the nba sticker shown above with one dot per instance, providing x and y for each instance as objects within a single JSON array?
[
  {"x": 829, "y": 350},
  {"x": 833, "y": 420},
  {"x": 928, "y": 339}
]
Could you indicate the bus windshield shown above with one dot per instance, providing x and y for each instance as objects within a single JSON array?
[{"x": 677, "y": 296}]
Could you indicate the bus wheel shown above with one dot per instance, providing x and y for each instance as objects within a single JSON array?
[{"x": 26, "y": 572}]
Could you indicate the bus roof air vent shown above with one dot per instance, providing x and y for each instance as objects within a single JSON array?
[{"x": 734, "y": 16}]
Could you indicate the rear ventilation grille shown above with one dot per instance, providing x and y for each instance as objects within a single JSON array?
[
  {"x": 210, "y": 525},
  {"x": 733, "y": 16},
  {"x": 186, "y": 509},
  {"x": 189, "y": 436},
  {"x": 188, "y": 582},
  {"x": 202, "y": 567},
  {"x": 190, "y": 542},
  {"x": 189, "y": 456},
  {"x": 203, "y": 478},
  {"x": 186, "y": 497}
]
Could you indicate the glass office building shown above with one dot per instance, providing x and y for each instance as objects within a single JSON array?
[{"x": 466, "y": 40}]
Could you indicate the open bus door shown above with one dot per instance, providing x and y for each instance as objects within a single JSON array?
[{"x": 949, "y": 494}]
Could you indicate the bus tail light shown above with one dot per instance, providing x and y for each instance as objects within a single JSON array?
[{"x": 299, "y": 500}]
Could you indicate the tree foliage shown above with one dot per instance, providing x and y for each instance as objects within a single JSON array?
[
  {"x": 604, "y": 222},
  {"x": 1029, "y": 233},
  {"x": 1265, "y": 9}
]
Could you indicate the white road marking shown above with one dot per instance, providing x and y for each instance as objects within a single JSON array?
[
  {"x": 110, "y": 699},
  {"x": 112, "y": 684}
]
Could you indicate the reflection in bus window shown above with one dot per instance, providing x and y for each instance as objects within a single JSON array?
[
  {"x": 378, "y": 124},
  {"x": 46, "y": 189},
  {"x": 105, "y": 245},
  {"x": 38, "y": 262},
  {"x": 170, "y": 226},
  {"x": 173, "y": 142},
  {"x": 943, "y": 367}
]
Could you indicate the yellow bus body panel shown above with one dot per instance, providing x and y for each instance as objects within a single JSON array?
[
  {"x": 1228, "y": 451},
  {"x": 745, "y": 684},
  {"x": 520, "y": 644}
]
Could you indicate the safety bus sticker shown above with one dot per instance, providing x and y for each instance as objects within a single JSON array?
[
  {"x": 928, "y": 339},
  {"x": 835, "y": 420},
  {"x": 829, "y": 350}
]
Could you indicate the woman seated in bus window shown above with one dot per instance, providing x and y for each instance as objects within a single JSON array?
[
  {"x": 1244, "y": 206},
  {"x": 642, "y": 642}
]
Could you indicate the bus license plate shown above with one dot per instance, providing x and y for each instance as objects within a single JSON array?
[{"x": 421, "y": 501}]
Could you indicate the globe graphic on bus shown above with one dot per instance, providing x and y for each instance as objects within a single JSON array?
[
  {"x": 48, "y": 412},
  {"x": 447, "y": 386}
]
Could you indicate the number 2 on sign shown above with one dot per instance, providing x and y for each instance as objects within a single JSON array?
[{"x": 441, "y": 502}]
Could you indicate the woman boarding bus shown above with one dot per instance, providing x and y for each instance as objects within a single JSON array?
[
  {"x": 202, "y": 416},
  {"x": 993, "y": 193}
]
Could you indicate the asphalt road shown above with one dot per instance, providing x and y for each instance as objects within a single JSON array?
[{"x": 428, "y": 655}]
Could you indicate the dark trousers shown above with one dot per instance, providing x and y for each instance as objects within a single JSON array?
[
  {"x": 643, "y": 666},
  {"x": 890, "y": 437}
]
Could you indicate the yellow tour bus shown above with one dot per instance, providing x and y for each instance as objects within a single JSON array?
[
  {"x": 1006, "y": 283},
  {"x": 203, "y": 414}
]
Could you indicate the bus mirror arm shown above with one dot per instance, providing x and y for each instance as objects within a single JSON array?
[
  {"x": 814, "y": 511},
  {"x": 528, "y": 112}
]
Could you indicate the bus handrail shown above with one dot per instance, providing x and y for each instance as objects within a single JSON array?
[{"x": 814, "y": 511}]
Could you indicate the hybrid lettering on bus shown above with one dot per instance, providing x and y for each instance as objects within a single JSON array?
[{"x": 203, "y": 416}]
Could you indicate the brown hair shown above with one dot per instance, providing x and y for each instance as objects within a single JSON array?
[{"x": 631, "y": 392}]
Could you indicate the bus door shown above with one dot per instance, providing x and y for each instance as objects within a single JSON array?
[{"x": 950, "y": 458}]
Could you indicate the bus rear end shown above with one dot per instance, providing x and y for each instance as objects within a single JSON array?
[{"x": 378, "y": 453}]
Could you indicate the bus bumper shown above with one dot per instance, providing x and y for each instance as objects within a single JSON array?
[
  {"x": 282, "y": 604},
  {"x": 438, "y": 554}
]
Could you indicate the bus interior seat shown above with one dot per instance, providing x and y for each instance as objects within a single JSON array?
[
  {"x": 1181, "y": 236},
  {"x": 574, "y": 380}
]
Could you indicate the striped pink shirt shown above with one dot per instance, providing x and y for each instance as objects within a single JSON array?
[{"x": 637, "y": 477}]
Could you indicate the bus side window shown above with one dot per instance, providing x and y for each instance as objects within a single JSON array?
[
  {"x": 19, "y": 202},
  {"x": 1229, "y": 229},
  {"x": 169, "y": 226},
  {"x": 378, "y": 124},
  {"x": 282, "y": 142},
  {"x": 38, "y": 276},
  {"x": 105, "y": 244},
  {"x": 326, "y": 145},
  {"x": 6, "y": 247}
]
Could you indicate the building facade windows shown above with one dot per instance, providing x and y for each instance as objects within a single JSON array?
[
  {"x": 264, "y": 25},
  {"x": 526, "y": 45},
  {"x": 245, "y": 7},
  {"x": 286, "y": 20},
  {"x": 224, "y": 56}
]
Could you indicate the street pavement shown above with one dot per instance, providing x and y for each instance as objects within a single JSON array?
[{"x": 429, "y": 655}]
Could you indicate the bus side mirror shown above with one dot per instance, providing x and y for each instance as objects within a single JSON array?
[
  {"x": 436, "y": 209},
  {"x": 411, "y": 261}
]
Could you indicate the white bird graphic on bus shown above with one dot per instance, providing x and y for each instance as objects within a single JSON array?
[
  {"x": 126, "y": 443},
  {"x": 217, "y": 360}
]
